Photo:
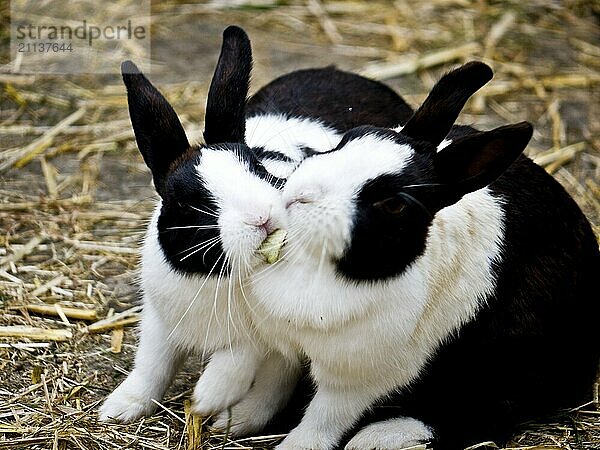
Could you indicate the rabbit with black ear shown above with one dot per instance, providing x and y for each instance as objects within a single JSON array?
[
  {"x": 217, "y": 204},
  {"x": 440, "y": 268}
]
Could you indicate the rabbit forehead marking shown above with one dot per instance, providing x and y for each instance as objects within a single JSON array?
[
  {"x": 230, "y": 180},
  {"x": 288, "y": 135},
  {"x": 322, "y": 193}
]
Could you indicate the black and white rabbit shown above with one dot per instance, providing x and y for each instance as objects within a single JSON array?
[
  {"x": 436, "y": 266},
  {"x": 217, "y": 204}
]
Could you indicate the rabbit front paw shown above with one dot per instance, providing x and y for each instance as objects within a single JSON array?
[
  {"x": 403, "y": 432},
  {"x": 307, "y": 440},
  {"x": 213, "y": 395},
  {"x": 218, "y": 389},
  {"x": 244, "y": 418},
  {"x": 130, "y": 401}
]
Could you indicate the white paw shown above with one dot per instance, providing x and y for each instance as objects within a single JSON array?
[
  {"x": 128, "y": 402},
  {"x": 246, "y": 417},
  {"x": 393, "y": 434},
  {"x": 214, "y": 394},
  {"x": 307, "y": 440}
]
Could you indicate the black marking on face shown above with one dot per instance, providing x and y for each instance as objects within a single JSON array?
[
  {"x": 187, "y": 226},
  {"x": 390, "y": 224},
  {"x": 263, "y": 154}
]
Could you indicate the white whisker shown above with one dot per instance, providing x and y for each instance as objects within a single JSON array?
[
  {"x": 210, "y": 243},
  {"x": 198, "y": 227},
  {"x": 194, "y": 299},
  {"x": 213, "y": 214},
  {"x": 208, "y": 328}
]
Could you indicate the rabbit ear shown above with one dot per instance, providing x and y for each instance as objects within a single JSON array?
[
  {"x": 433, "y": 120},
  {"x": 158, "y": 132},
  {"x": 476, "y": 160},
  {"x": 225, "y": 121}
]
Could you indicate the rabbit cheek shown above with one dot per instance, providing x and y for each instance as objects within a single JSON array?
[
  {"x": 189, "y": 242},
  {"x": 322, "y": 227}
]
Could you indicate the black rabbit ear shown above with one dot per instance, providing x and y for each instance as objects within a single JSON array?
[
  {"x": 474, "y": 161},
  {"x": 433, "y": 120},
  {"x": 158, "y": 132},
  {"x": 225, "y": 106}
]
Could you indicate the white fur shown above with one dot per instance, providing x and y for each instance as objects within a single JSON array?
[
  {"x": 324, "y": 192},
  {"x": 273, "y": 385},
  {"x": 393, "y": 434},
  {"x": 445, "y": 143},
  {"x": 277, "y": 133},
  {"x": 156, "y": 362},
  {"x": 367, "y": 339},
  {"x": 280, "y": 169},
  {"x": 197, "y": 313}
]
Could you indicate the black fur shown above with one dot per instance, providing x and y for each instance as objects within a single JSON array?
[
  {"x": 188, "y": 203},
  {"x": 532, "y": 349},
  {"x": 383, "y": 244},
  {"x": 399, "y": 237},
  {"x": 261, "y": 153},
  {"x": 340, "y": 100},
  {"x": 225, "y": 119},
  {"x": 158, "y": 132},
  {"x": 434, "y": 119}
]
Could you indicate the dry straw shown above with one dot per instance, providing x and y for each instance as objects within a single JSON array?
[{"x": 75, "y": 195}]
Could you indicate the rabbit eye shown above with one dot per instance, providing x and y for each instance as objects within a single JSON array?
[{"x": 391, "y": 205}]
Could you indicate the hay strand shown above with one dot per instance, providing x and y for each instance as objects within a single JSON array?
[{"x": 41, "y": 334}]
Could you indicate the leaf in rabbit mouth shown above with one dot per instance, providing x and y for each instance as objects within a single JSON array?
[{"x": 270, "y": 248}]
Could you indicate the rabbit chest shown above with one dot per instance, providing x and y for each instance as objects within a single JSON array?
[
  {"x": 203, "y": 312},
  {"x": 386, "y": 329}
]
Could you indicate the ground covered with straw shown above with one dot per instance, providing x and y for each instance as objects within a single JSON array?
[{"x": 75, "y": 194}]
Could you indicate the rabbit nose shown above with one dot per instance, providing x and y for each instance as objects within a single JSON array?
[
  {"x": 268, "y": 226},
  {"x": 263, "y": 221}
]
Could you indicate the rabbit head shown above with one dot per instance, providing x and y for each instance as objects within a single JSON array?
[
  {"x": 218, "y": 202},
  {"x": 366, "y": 207}
]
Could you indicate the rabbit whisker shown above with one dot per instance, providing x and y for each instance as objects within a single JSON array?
[
  {"x": 194, "y": 299},
  {"x": 213, "y": 214},
  {"x": 214, "y": 306},
  {"x": 198, "y": 227},
  {"x": 238, "y": 265},
  {"x": 292, "y": 251},
  {"x": 208, "y": 249},
  {"x": 230, "y": 320},
  {"x": 413, "y": 200},
  {"x": 210, "y": 243},
  {"x": 321, "y": 259},
  {"x": 205, "y": 242}
]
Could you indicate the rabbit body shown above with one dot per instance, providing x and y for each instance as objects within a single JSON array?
[{"x": 432, "y": 276}]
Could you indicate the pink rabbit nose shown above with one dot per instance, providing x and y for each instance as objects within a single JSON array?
[
  {"x": 268, "y": 226},
  {"x": 264, "y": 222}
]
